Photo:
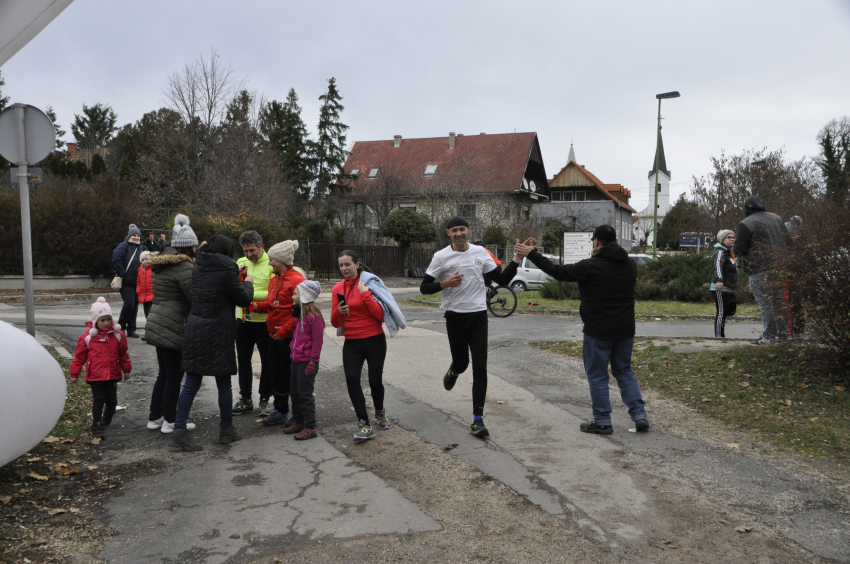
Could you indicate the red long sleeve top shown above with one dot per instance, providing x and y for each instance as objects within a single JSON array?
[{"x": 365, "y": 315}]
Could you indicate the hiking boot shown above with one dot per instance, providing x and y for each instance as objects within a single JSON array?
[
  {"x": 597, "y": 429},
  {"x": 305, "y": 434},
  {"x": 97, "y": 431},
  {"x": 449, "y": 379},
  {"x": 228, "y": 435},
  {"x": 169, "y": 427},
  {"x": 293, "y": 428},
  {"x": 364, "y": 431},
  {"x": 478, "y": 429},
  {"x": 265, "y": 408},
  {"x": 641, "y": 425},
  {"x": 276, "y": 418},
  {"x": 383, "y": 420},
  {"x": 107, "y": 416},
  {"x": 181, "y": 439},
  {"x": 155, "y": 424},
  {"x": 763, "y": 342},
  {"x": 243, "y": 406}
]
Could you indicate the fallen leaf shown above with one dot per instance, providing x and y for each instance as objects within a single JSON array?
[
  {"x": 813, "y": 419},
  {"x": 6, "y": 499},
  {"x": 96, "y": 441},
  {"x": 501, "y": 402},
  {"x": 91, "y": 467},
  {"x": 33, "y": 474},
  {"x": 786, "y": 402},
  {"x": 237, "y": 535},
  {"x": 724, "y": 521},
  {"x": 801, "y": 385},
  {"x": 36, "y": 459},
  {"x": 705, "y": 399},
  {"x": 53, "y": 512},
  {"x": 66, "y": 441},
  {"x": 74, "y": 461},
  {"x": 74, "y": 510},
  {"x": 50, "y": 439},
  {"x": 745, "y": 384},
  {"x": 743, "y": 529},
  {"x": 839, "y": 388},
  {"x": 734, "y": 445},
  {"x": 259, "y": 421},
  {"x": 480, "y": 557}
]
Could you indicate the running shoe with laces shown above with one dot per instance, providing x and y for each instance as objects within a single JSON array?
[
  {"x": 292, "y": 428},
  {"x": 169, "y": 427},
  {"x": 155, "y": 424},
  {"x": 364, "y": 431},
  {"x": 265, "y": 409},
  {"x": 592, "y": 427},
  {"x": 641, "y": 425},
  {"x": 383, "y": 420},
  {"x": 276, "y": 418},
  {"x": 478, "y": 429},
  {"x": 98, "y": 432},
  {"x": 243, "y": 406},
  {"x": 305, "y": 434},
  {"x": 450, "y": 378}
]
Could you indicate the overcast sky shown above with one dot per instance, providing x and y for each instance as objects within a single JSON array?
[{"x": 751, "y": 74}]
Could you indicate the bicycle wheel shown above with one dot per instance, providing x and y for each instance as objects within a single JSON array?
[{"x": 501, "y": 301}]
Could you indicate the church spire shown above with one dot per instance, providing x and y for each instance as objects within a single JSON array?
[
  {"x": 662, "y": 162},
  {"x": 572, "y": 157}
]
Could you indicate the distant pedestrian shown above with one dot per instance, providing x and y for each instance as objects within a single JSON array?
[
  {"x": 606, "y": 282},
  {"x": 102, "y": 349},
  {"x": 208, "y": 341},
  {"x": 724, "y": 280},
  {"x": 172, "y": 300},
  {"x": 144, "y": 284},
  {"x": 150, "y": 244},
  {"x": 306, "y": 351},
  {"x": 162, "y": 242},
  {"x": 126, "y": 259},
  {"x": 761, "y": 237}
]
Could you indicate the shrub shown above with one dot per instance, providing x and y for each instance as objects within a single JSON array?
[
  {"x": 549, "y": 290},
  {"x": 494, "y": 235},
  {"x": 684, "y": 277},
  {"x": 407, "y": 226}
]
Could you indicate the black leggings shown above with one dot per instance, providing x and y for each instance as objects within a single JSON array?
[
  {"x": 103, "y": 393},
  {"x": 724, "y": 305},
  {"x": 468, "y": 333},
  {"x": 374, "y": 351}
]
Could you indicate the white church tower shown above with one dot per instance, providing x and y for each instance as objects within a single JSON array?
[{"x": 643, "y": 221}]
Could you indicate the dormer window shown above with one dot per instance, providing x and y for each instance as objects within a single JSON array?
[
  {"x": 355, "y": 173},
  {"x": 430, "y": 170},
  {"x": 373, "y": 173}
]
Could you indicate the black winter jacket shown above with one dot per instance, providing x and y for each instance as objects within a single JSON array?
[
  {"x": 151, "y": 246},
  {"x": 125, "y": 264},
  {"x": 172, "y": 299},
  {"x": 759, "y": 235},
  {"x": 723, "y": 268},
  {"x": 607, "y": 285},
  {"x": 208, "y": 341}
]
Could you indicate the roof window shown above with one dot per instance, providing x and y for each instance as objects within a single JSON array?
[
  {"x": 355, "y": 172},
  {"x": 430, "y": 170},
  {"x": 373, "y": 173}
]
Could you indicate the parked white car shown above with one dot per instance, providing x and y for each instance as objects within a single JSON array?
[
  {"x": 529, "y": 277},
  {"x": 640, "y": 258}
]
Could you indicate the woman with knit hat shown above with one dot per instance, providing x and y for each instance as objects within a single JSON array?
[
  {"x": 126, "y": 259},
  {"x": 281, "y": 325},
  {"x": 172, "y": 300},
  {"x": 724, "y": 280}
]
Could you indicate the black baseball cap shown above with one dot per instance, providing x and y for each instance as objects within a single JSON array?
[{"x": 605, "y": 234}]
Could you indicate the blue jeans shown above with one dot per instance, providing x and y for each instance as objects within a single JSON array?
[
  {"x": 187, "y": 397},
  {"x": 771, "y": 302},
  {"x": 597, "y": 354}
]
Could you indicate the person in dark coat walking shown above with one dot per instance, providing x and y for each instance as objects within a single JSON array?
[
  {"x": 126, "y": 259},
  {"x": 210, "y": 335},
  {"x": 150, "y": 244},
  {"x": 607, "y": 284}
]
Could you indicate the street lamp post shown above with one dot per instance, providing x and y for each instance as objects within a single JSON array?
[{"x": 657, "y": 159}]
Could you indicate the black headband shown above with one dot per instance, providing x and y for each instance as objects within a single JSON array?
[{"x": 457, "y": 221}]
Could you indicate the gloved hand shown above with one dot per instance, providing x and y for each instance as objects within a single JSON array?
[{"x": 311, "y": 369}]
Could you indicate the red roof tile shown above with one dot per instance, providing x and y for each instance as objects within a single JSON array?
[{"x": 604, "y": 188}]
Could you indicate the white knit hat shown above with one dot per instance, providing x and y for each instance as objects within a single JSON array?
[
  {"x": 723, "y": 233},
  {"x": 284, "y": 251},
  {"x": 182, "y": 235},
  {"x": 308, "y": 291},
  {"x": 144, "y": 255}
]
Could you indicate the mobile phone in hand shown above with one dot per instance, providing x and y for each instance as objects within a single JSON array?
[{"x": 340, "y": 299}]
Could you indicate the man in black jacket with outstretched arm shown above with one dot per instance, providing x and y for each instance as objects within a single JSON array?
[
  {"x": 607, "y": 284},
  {"x": 462, "y": 273}
]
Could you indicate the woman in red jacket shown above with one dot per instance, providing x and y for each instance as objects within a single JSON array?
[{"x": 361, "y": 318}]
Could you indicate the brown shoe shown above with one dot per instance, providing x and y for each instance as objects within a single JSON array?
[
  {"x": 293, "y": 429},
  {"x": 228, "y": 435},
  {"x": 181, "y": 439}
]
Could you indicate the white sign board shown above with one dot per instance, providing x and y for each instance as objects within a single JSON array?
[{"x": 577, "y": 246}]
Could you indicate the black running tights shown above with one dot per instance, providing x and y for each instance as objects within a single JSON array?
[
  {"x": 468, "y": 334},
  {"x": 354, "y": 352}
]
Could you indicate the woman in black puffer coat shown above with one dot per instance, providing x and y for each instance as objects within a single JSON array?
[{"x": 208, "y": 341}]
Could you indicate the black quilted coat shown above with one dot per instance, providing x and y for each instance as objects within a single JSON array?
[
  {"x": 208, "y": 342},
  {"x": 172, "y": 299}
]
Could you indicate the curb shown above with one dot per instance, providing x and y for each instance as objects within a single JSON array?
[{"x": 93, "y": 296}]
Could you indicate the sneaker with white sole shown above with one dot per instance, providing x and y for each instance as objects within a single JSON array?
[
  {"x": 364, "y": 432},
  {"x": 155, "y": 424},
  {"x": 169, "y": 427}
]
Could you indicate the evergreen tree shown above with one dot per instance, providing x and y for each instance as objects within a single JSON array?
[
  {"x": 286, "y": 134},
  {"x": 834, "y": 163},
  {"x": 51, "y": 113},
  {"x": 4, "y": 100},
  {"x": 329, "y": 147},
  {"x": 95, "y": 128},
  {"x": 683, "y": 217},
  {"x": 408, "y": 226}
]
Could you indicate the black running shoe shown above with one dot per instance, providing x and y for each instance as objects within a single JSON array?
[
  {"x": 449, "y": 379},
  {"x": 478, "y": 429},
  {"x": 642, "y": 425},
  {"x": 596, "y": 429},
  {"x": 243, "y": 406}
]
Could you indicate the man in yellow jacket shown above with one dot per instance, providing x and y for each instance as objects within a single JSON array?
[{"x": 251, "y": 327}]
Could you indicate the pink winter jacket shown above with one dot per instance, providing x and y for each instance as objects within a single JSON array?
[{"x": 308, "y": 338}]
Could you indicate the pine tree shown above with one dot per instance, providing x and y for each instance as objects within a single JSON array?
[
  {"x": 329, "y": 147},
  {"x": 95, "y": 128},
  {"x": 834, "y": 163},
  {"x": 286, "y": 134},
  {"x": 51, "y": 113},
  {"x": 4, "y": 100}
]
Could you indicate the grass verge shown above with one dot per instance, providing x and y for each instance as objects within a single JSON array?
[
  {"x": 524, "y": 299},
  {"x": 789, "y": 395}
]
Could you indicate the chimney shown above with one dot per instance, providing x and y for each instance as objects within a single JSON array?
[
  {"x": 451, "y": 140},
  {"x": 396, "y": 140},
  {"x": 72, "y": 150}
]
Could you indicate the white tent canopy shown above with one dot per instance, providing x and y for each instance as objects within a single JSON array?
[{"x": 21, "y": 20}]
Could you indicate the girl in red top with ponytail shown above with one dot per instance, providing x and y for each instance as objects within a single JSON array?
[{"x": 360, "y": 317}]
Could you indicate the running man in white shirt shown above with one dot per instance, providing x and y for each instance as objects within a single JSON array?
[{"x": 462, "y": 272}]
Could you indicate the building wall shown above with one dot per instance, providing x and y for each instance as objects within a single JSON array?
[{"x": 585, "y": 216}]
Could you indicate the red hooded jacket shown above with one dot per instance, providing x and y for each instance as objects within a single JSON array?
[
  {"x": 365, "y": 315},
  {"x": 144, "y": 284},
  {"x": 278, "y": 304},
  {"x": 104, "y": 354}
]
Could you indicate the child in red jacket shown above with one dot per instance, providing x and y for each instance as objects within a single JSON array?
[
  {"x": 144, "y": 283},
  {"x": 103, "y": 351}
]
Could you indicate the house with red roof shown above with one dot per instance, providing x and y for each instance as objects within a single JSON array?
[
  {"x": 488, "y": 179},
  {"x": 579, "y": 200}
]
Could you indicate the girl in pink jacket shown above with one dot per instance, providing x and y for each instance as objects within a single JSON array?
[{"x": 306, "y": 349}]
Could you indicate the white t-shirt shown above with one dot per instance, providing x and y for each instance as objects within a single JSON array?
[{"x": 471, "y": 295}]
